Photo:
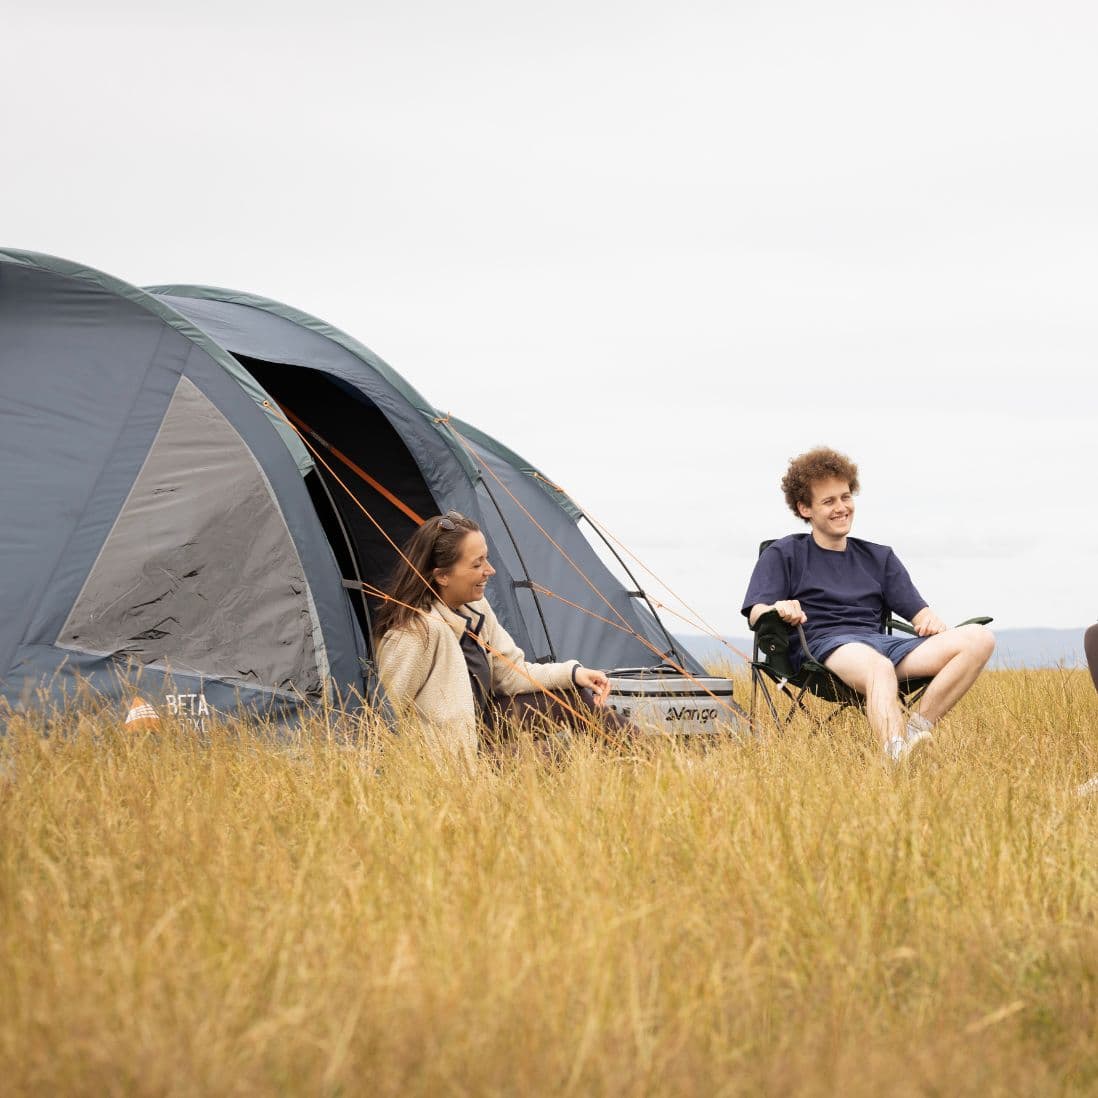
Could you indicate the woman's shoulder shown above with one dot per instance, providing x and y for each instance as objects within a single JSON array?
[
  {"x": 482, "y": 616},
  {"x": 480, "y": 608},
  {"x": 422, "y": 630}
]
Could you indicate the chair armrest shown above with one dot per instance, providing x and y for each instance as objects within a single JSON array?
[
  {"x": 764, "y": 620},
  {"x": 895, "y": 625},
  {"x": 772, "y": 642}
]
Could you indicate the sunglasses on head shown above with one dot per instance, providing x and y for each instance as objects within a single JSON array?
[{"x": 450, "y": 520}]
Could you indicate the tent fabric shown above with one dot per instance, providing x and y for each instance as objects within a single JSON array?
[
  {"x": 300, "y": 320},
  {"x": 88, "y": 277},
  {"x": 628, "y": 635},
  {"x": 489, "y": 445},
  {"x": 234, "y": 587},
  {"x": 527, "y": 483},
  {"x": 269, "y": 331},
  {"x": 299, "y": 362},
  {"x": 87, "y": 374}
]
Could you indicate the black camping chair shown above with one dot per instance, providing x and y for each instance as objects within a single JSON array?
[{"x": 772, "y": 669}]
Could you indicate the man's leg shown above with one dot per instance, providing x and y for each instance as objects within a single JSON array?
[
  {"x": 873, "y": 676},
  {"x": 953, "y": 659}
]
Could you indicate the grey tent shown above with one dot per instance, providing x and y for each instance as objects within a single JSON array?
[
  {"x": 364, "y": 417},
  {"x": 162, "y": 512},
  {"x": 155, "y": 512}
]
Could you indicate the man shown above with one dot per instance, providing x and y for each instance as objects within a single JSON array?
[{"x": 837, "y": 587}]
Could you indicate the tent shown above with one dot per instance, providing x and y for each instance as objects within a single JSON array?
[
  {"x": 199, "y": 482},
  {"x": 155, "y": 512}
]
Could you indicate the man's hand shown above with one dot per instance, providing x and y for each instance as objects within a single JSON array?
[
  {"x": 927, "y": 623},
  {"x": 790, "y": 612},
  {"x": 595, "y": 681}
]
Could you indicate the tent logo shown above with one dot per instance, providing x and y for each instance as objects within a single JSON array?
[
  {"x": 140, "y": 715},
  {"x": 191, "y": 708}
]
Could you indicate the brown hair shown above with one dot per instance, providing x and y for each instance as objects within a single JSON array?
[
  {"x": 434, "y": 547},
  {"x": 816, "y": 465}
]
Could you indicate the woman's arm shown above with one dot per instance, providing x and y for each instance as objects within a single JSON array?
[{"x": 511, "y": 674}]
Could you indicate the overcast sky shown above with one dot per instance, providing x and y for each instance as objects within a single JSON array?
[{"x": 655, "y": 248}]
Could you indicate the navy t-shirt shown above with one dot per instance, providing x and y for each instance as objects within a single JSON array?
[{"x": 840, "y": 591}]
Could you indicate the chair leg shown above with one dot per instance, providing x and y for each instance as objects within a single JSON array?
[
  {"x": 912, "y": 699},
  {"x": 799, "y": 706},
  {"x": 757, "y": 686},
  {"x": 795, "y": 704}
]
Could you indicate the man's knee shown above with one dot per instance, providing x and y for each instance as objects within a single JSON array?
[
  {"x": 879, "y": 671},
  {"x": 861, "y": 667},
  {"x": 979, "y": 642}
]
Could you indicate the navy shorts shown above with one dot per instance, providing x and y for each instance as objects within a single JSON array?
[{"x": 894, "y": 647}]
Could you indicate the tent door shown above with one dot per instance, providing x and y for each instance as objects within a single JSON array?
[{"x": 353, "y": 425}]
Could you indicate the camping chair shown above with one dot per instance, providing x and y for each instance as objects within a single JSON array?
[{"x": 772, "y": 670}]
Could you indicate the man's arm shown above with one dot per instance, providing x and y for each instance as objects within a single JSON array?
[
  {"x": 902, "y": 597},
  {"x": 769, "y": 582}
]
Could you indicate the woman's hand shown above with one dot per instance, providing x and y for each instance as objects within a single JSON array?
[{"x": 596, "y": 681}]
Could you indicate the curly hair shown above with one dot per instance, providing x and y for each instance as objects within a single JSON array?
[{"x": 815, "y": 465}]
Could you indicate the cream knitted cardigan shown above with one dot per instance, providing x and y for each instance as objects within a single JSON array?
[{"x": 429, "y": 673}]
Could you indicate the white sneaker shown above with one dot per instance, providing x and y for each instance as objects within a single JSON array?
[
  {"x": 899, "y": 749},
  {"x": 916, "y": 739},
  {"x": 1088, "y": 788}
]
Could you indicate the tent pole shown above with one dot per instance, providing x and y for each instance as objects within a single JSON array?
[
  {"x": 638, "y": 589},
  {"x": 354, "y": 564}
]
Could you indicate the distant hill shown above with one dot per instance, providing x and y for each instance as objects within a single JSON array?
[{"x": 1015, "y": 647}]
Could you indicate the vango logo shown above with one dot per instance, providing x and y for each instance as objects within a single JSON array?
[{"x": 690, "y": 713}]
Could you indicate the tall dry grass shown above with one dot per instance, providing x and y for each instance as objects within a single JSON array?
[{"x": 243, "y": 916}]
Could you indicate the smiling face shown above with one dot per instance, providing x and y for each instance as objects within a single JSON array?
[
  {"x": 465, "y": 580},
  {"x": 831, "y": 512}
]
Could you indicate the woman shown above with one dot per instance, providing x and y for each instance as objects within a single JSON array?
[{"x": 441, "y": 649}]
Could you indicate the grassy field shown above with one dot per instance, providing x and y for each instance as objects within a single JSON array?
[{"x": 779, "y": 916}]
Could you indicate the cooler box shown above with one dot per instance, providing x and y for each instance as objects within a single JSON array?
[{"x": 659, "y": 700}]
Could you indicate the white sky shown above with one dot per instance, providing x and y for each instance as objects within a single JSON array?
[{"x": 655, "y": 248}]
